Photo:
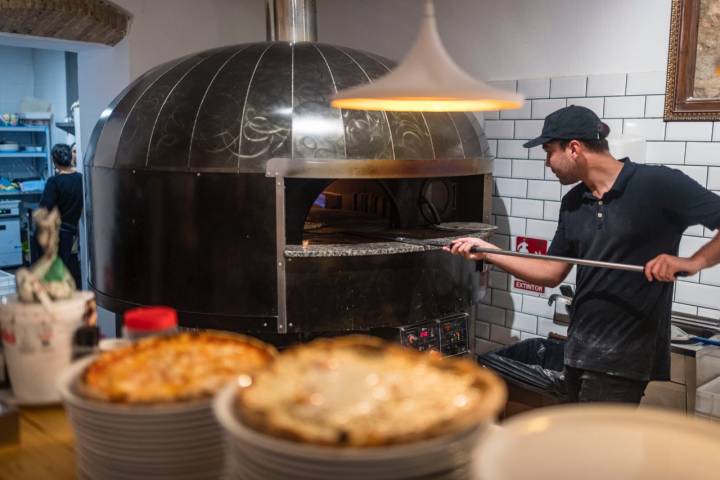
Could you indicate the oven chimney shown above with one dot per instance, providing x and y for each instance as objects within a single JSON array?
[{"x": 291, "y": 21}]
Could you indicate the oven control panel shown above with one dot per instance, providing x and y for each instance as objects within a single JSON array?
[{"x": 448, "y": 335}]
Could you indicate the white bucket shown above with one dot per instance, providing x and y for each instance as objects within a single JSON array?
[{"x": 37, "y": 348}]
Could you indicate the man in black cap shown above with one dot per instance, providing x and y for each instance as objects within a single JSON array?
[{"x": 619, "y": 336}]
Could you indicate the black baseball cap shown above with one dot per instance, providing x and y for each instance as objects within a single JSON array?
[{"x": 570, "y": 123}]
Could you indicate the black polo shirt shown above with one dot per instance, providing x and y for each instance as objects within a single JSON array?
[
  {"x": 65, "y": 191},
  {"x": 621, "y": 322}
]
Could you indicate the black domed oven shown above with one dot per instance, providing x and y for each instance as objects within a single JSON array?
[{"x": 223, "y": 184}]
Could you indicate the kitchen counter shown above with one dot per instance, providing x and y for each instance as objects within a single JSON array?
[{"x": 45, "y": 450}]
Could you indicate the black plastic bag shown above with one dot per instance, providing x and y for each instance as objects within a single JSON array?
[{"x": 535, "y": 364}]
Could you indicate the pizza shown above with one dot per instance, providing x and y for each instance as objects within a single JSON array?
[
  {"x": 361, "y": 391},
  {"x": 180, "y": 367}
]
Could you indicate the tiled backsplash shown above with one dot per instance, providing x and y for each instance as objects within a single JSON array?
[{"x": 527, "y": 195}]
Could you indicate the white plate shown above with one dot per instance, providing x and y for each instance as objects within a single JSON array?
[
  {"x": 261, "y": 456},
  {"x": 600, "y": 442},
  {"x": 281, "y": 464},
  {"x": 9, "y": 147}
]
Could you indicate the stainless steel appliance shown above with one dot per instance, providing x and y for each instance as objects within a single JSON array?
[{"x": 10, "y": 245}]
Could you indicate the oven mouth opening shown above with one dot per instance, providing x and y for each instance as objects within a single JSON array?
[{"x": 357, "y": 217}]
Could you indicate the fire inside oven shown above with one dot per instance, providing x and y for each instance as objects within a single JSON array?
[{"x": 337, "y": 214}]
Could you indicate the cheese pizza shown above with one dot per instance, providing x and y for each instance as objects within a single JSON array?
[
  {"x": 361, "y": 391},
  {"x": 174, "y": 368}
]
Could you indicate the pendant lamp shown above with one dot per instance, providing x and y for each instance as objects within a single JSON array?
[{"x": 427, "y": 80}]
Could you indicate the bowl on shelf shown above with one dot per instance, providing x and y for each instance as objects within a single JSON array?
[
  {"x": 33, "y": 148},
  {"x": 8, "y": 147},
  {"x": 8, "y": 120}
]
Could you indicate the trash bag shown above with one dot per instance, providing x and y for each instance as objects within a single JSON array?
[{"x": 535, "y": 364}]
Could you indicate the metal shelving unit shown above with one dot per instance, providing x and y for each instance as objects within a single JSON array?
[
  {"x": 15, "y": 204},
  {"x": 35, "y": 132}
]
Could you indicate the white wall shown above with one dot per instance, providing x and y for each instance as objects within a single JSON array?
[
  {"x": 50, "y": 84},
  {"x": 29, "y": 72},
  {"x": 511, "y": 39},
  {"x": 17, "y": 78}
]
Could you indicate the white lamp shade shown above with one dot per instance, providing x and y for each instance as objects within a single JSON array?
[{"x": 427, "y": 80}]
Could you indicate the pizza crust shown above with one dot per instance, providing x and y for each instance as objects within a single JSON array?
[{"x": 362, "y": 391}]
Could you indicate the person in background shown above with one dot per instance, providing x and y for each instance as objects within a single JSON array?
[
  {"x": 623, "y": 212},
  {"x": 73, "y": 148},
  {"x": 65, "y": 191}
]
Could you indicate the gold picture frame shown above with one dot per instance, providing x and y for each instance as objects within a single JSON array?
[{"x": 692, "y": 88}]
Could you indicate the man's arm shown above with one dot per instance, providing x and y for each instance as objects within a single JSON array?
[
  {"x": 664, "y": 267},
  {"x": 539, "y": 272}
]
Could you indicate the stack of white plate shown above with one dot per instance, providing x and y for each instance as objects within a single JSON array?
[
  {"x": 114, "y": 441},
  {"x": 599, "y": 442},
  {"x": 254, "y": 456}
]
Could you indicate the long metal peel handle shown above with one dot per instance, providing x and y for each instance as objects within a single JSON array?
[{"x": 575, "y": 261}]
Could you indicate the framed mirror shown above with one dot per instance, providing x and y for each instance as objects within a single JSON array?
[{"x": 692, "y": 90}]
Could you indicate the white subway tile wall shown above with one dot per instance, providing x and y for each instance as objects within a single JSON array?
[
  {"x": 499, "y": 128},
  {"x": 521, "y": 321},
  {"x": 527, "y": 208},
  {"x": 645, "y": 83},
  {"x": 534, "y": 87},
  {"x": 648, "y": 128},
  {"x": 512, "y": 149},
  {"x": 502, "y": 167},
  {"x": 528, "y": 169},
  {"x": 563, "y": 87},
  {"x": 689, "y": 131},
  {"x": 625, "y": 107},
  {"x": 713, "y": 178},
  {"x": 597, "y": 105},
  {"x": 703, "y": 153},
  {"x": 670, "y": 153},
  {"x": 510, "y": 225},
  {"x": 654, "y": 106},
  {"x": 511, "y": 187},
  {"x": 606, "y": 85},
  {"x": 541, "y": 108},
  {"x": 520, "y": 113},
  {"x": 527, "y": 129},
  {"x": 527, "y": 201},
  {"x": 615, "y": 124},
  {"x": 543, "y": 190}
]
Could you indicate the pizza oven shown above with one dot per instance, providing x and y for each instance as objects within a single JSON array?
[{"x": 223, "y": 184}]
